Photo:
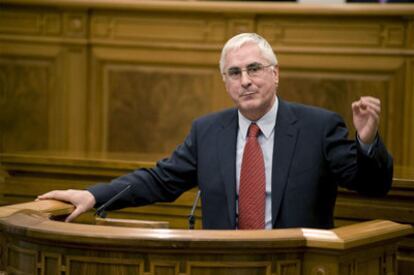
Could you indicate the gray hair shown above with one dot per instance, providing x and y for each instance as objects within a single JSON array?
[{"x": 239, "y": 40}]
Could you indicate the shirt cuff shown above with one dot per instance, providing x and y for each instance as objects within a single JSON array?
[{"x": 366, "y": 148}]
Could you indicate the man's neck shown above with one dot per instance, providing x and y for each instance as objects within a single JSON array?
[{"x": 258, "y": 114}]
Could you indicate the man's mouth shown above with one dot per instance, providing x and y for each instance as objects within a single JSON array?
[{"x": 247, "y": 94}]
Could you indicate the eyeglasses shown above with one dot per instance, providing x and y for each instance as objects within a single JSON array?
[{"x": 253, "y": 70}]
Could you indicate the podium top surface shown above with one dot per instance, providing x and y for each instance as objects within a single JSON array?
[{"x": 32, "y": 220}]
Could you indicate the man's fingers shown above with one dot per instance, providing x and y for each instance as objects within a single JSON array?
[
  {"x": 374, "y": 114},
  {"x": 48, "y": 195},
  {"x": 370, "y": 99},
  {"x": 366, "y": 103},
  {"x": 57, "y": 194},
  {"x": 372, "y": 103},
  {"x": 74, "y": 214},
  {"x": 356, "y": 106}
]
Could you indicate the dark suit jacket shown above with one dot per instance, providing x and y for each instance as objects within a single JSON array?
[{"x": 311, "y": 157}]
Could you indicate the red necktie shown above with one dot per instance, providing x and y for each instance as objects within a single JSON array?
[{"x": 252, "y": 183}]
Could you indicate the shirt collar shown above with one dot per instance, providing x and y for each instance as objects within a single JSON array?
[{"x": 266, "y": 123}]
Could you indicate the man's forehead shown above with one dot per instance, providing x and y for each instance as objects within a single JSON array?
[{"x": 245, "y": 55}]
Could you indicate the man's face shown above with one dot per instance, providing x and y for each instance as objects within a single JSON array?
[{"x": 253, "y": 95}]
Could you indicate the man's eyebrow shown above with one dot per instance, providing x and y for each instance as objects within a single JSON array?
[{"x": 238, "y": 67}]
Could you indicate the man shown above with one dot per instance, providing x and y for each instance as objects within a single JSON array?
[{"x": 266, "y": 163}]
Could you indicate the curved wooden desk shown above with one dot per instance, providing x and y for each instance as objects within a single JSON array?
[{"x": 34, "y": 244}]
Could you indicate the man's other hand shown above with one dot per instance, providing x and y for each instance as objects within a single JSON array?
[{"x": 366, "y": 116}]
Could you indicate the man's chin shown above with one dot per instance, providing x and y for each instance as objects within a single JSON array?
[
  {"x": 249, "y": 103},
  {"x": 249, "y": 107}
]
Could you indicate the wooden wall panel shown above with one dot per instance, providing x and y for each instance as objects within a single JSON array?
[
  {"x": 153, "y": 93},
  {"x": 44, "y": 67},
  {"x": 43, "y": 106},
  {"x": 151, "y": 108},
  {"x": 25, "y": 86},
  {"x": 332, "y": 31},
  {"x": 29, "y": 22},
  {"x": 141, "y": 27}
]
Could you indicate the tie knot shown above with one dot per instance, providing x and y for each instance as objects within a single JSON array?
[{"x": 254, "y": 130}]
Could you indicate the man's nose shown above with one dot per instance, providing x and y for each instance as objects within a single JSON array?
[{"x": 245, "y": 79}]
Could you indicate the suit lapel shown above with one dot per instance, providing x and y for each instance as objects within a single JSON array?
[
  {"x": 226, "y": 146},
  {"x": 284, "y": 144}
]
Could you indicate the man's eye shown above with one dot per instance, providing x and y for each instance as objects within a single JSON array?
[
  {"x": 234, "y": 72},
  {"x": 254, "y": 68}
]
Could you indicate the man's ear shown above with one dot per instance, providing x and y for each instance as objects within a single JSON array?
[{"x": 276, "y": 73}]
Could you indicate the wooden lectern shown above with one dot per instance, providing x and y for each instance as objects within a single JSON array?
[{"x": 33, "y": 243}]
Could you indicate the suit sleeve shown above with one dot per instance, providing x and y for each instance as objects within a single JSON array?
[
  {"x": 367, "y": 174},
  {"x": 163, "y": 183}
]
